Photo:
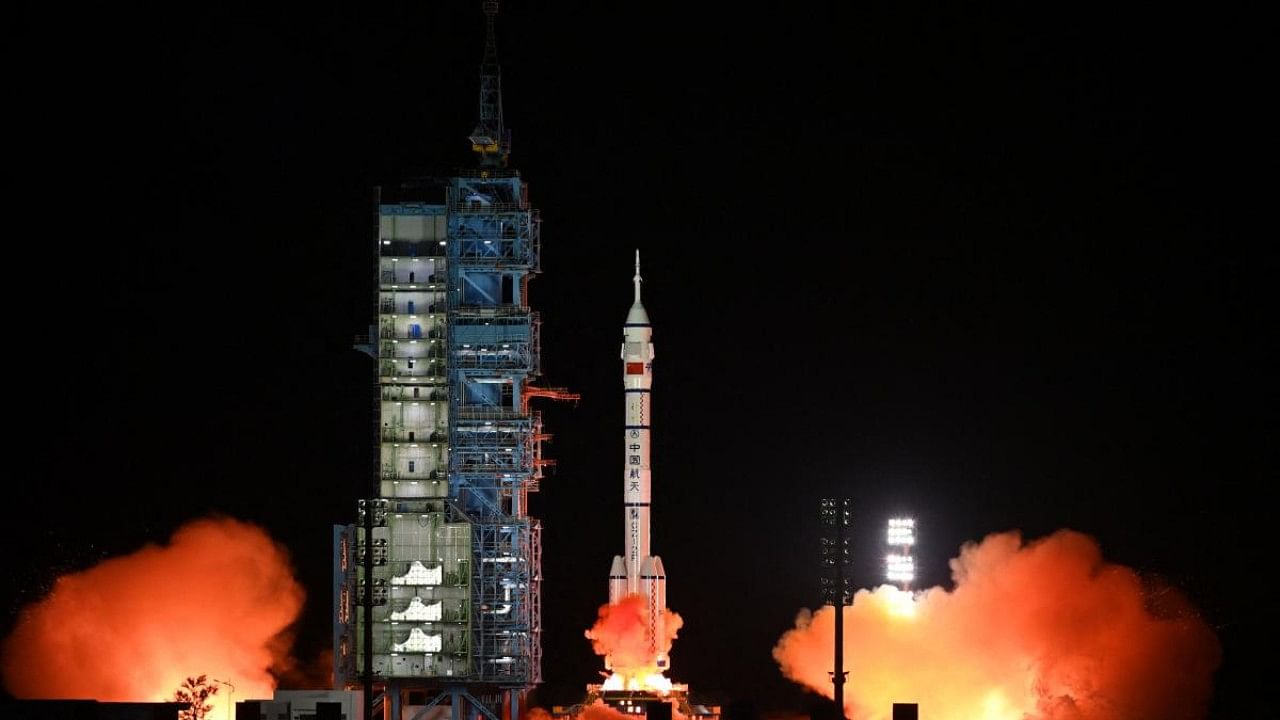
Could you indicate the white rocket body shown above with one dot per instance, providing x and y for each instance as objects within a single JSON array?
[{"x": 636, "y": 572}]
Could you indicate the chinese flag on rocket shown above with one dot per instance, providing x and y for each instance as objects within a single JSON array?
[{"x": 635, "y": 368}]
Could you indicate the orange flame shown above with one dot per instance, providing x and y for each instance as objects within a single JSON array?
[
  {"x": 215, "y": 601},
  {"x": 619, "y": 634},
  {"x": 1042, "y": 631}
]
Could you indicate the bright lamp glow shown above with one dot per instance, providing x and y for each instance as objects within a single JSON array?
[
  {"x": 902, "y": 532},
  {"x": 900, "y": 568}
]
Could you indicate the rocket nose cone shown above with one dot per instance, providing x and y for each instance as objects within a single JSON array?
[
  {"x": 619, "y": 568},
  {"x": 658, "y": 570},
  {"x": 646, "y": 567},
  {"x": 637, "y": 315}
]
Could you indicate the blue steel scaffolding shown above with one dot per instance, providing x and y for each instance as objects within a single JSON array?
[{"x": 494, "y": 438}]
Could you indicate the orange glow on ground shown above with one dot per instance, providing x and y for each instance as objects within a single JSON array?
[
  {"x": 214, "y": 601},
  {"x": 1041, "y": 631}
]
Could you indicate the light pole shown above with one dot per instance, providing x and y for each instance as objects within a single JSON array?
[
  {"x": 836, "y": 588},
  {"x": 230, "y": 695}
]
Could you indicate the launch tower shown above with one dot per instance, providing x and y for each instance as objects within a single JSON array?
[{"x": 437, "y": 585}]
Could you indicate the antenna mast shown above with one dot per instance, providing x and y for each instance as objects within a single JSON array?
[{"x": 490, "y": 138}]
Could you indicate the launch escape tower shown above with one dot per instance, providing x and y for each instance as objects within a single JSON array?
[{"x": 437, "y": 586}]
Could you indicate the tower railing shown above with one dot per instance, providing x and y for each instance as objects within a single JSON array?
[
  {"x": 488, "y": 173},
  {"x": 473, "y": 207},
  {"x": 465, "y": 412}
]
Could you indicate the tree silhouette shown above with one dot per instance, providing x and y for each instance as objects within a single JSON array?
[{"x": 197, "y": 691}]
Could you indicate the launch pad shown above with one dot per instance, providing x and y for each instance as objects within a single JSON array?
[{"x": 650, "y": 704}]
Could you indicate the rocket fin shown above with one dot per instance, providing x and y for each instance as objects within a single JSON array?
[{"x": 617, "y": 579}]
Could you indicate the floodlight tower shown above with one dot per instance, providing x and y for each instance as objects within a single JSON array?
[
  {"x": 836, "y": 588},
  {"x": 900, "y": 567}
]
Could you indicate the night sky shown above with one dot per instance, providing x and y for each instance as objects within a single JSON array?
[{"x": 990, "y": 267}]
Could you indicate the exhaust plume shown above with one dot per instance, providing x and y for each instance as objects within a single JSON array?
[
  {"x": 216, "y": 600},
  {"x": 619, "y": 634},
  {"x": 1040, "y": 631}
]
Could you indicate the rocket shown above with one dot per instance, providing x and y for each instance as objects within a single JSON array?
[{"x": 636, "y": 572}]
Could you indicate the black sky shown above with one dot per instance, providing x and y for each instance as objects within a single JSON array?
[{"x": 990, "y": 266}]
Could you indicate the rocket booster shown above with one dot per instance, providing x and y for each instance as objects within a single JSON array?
[{"x": 636, "y": 572}]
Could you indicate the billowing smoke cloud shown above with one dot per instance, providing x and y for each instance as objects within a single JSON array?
[
  {"x": 536, "y": 713},
  {"x": 217, "y": 600},
  {"x": 1042, "y": 631},
  {"x": 619, "y": 633}
]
